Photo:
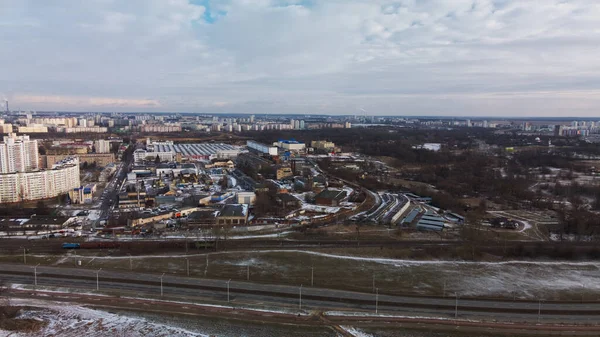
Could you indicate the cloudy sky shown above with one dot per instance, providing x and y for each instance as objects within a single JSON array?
[{"x": 385, "y": 57}]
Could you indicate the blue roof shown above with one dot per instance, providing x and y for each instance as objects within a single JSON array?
[
  {"x": 411, "y": 216},
  {"x": 429, "y": 227},
  {"x": 432, "y": 223},
  {"x": 290, "y": 141}
]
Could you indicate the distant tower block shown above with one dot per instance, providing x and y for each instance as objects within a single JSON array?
[{"x": 6, "y": 103}]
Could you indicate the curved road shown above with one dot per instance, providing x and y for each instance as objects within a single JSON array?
[{"x": 141, "y": 284}]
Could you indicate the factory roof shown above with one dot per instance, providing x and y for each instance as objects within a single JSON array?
[{"x": 234, "y": 210}]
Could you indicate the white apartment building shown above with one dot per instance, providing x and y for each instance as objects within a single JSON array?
[
  {"x": 55, "y": 121},
  {"x": 63, "y": 177},
  {"x": 18, "y": 154},
  {"x": 78, "y": 129},
  {"x": 33, "y": 128},
  {"x": 102, "y": 146},
  {"x": 5, "y": 128}
]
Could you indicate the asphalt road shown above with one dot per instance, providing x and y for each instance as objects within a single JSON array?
[{"x": 245, "y": 293}]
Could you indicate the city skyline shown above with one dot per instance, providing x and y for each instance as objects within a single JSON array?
[{"x": 384, "y": 58}]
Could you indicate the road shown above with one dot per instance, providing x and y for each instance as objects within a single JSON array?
[
  {"x": 248, "y": 293},
  {"x": 109, "y": 196}
]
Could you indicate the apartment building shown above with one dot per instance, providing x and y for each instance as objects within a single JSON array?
[{"x": 18, "y": 154}]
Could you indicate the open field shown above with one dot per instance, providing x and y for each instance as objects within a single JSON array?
[
  {"x": 511, "y": 279},
  {"x": 79, "y": 320}
]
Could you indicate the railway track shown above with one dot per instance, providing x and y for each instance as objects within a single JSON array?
[{"x": 18, "y": 247}]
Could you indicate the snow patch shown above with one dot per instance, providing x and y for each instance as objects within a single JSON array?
[
  {"x": 75, "y": 320},
  {"x": 355, "y": 332}
]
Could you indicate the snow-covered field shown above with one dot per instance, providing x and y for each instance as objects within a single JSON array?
[
  {"x": 73, "y": 320},
  {"x": 70, "y": 320},
  {"x": 521, "y": 279}
]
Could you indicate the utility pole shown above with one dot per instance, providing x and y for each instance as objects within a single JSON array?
[
  {"x": 539, "y": 310},
  {"x": 247, "y": 272},
  {"x": 373, "y": 282},
  {"x": 35, "y": 275},
  {"x": 228, "y": 290},
  {"x": 98, "y": 279},
  {"x": 300, "y": 299},
  {"x": 312, "y": 276},
  {"x": 456, "y": 306},
  {"x": 161, "y": 284},
  {"x": 376, "y": 300},
  {"x": 130, "y": 262},
  {"x": 24, "y": 255},
  {"x": 187, "y": 262}
]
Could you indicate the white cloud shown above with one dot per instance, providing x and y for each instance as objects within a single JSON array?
[{"x": 390, "y": 57}]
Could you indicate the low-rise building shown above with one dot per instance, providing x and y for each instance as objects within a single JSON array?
[
  {"x": 284, "y": 172},
  {"x": 98, "y": 159},
  {"x": 233, "y": 214},
  {"x": 322, "y": 145},
  {"x": 34, "y": 225},
  {"x": 246, "y": 197},
  {"x": 330, "y": 197},
  {"x": 287, "y": 201},
  {"x": 202, "y": 218},
  {"x": 82, "y": 194}
]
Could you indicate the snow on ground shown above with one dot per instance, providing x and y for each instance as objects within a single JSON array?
[
  {"x": 273, "y": 311},
  {"x": 53, "y": 289},
  {"x": 75, "y": 320},
  {"x": 94, "y": 215},
  {"x": 355, "y": 332},
  {"x": 320, "y": 209}
]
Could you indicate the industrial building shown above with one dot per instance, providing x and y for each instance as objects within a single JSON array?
[
  {"x": 430, "y": 221},
  {"x": 290, "y": 145},
  {"x": 34, "y": 225},
  {"x": 204, "y": 151},
  {"x": 140, "y": 155},
  {"x": 262, "y": 148}
]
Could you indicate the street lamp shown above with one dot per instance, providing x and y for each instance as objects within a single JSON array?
[
  {"x": 456, "y": 306},
  {"x": 373, "y": 282},
  {"x": 98, "y": 279},
  {"x": 300, "y": 299},
  {"x": 35, "y": 274},
  {"x": 376, "y": 300},
  {"x": 228, "y": 290},
  {"x": 161, "y": 284}
]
